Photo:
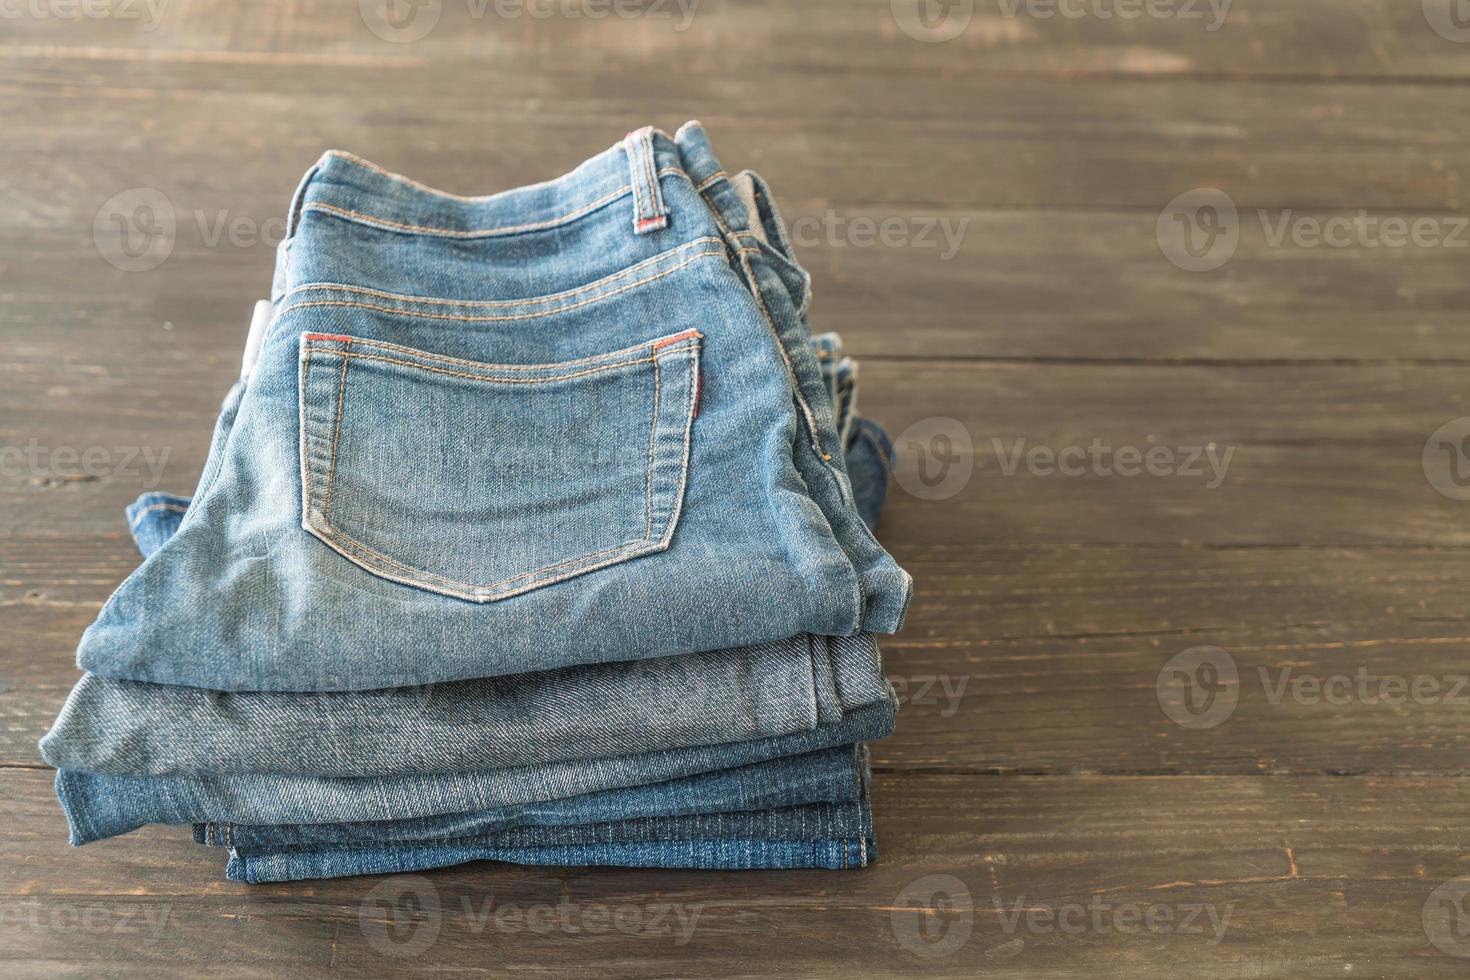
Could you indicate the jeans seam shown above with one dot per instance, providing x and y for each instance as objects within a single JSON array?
[
  {"x": 361, "y": 216},
  {"x": 345, "y": 355},
  {"x": 375, "y": 561},
  {"x": 336, "y": 432},
  {"x": 159, "y": 506},
  {"x": 652, "y": 431},
  {"x": 529, "y": 315},
  {"x": 564, "y": 294},
  {"x": 625, "y": 352}
]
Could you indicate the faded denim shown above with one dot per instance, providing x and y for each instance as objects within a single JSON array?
[
  {"x": 527, "y": 459},
  {"x": 137, "y": 728},
  {"x": 101, "y": 805},
  {"x": 572, "y": 423},
  {"x": 824, "y": 776},
  {"x": 836, "y": 834}
]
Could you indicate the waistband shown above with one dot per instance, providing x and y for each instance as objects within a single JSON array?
[{"x": 631, "y": 174}]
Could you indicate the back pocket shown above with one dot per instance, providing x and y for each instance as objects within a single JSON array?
[{"x": 483, "y": 481}]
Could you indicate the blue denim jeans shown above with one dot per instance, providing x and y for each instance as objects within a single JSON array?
[
  {"x": 105, "y": 805},
  {"x": 318, "y": 773},
  {"x": 762, "y": 793},
  {"x": 139, "y": 728},
  {"x": 711, "y": 823},
  {"x": 578, "y": 422},
  {"x": 830, "y": 835},
  {"x": 821, "y": 777}
]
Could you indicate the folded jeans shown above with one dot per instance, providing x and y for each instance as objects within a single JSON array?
[{"x": 485, "y": 418}]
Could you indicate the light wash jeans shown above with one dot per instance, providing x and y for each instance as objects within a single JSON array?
[
  {"x": 577, "y": 422},
  {"x": 371, "y": 753}
]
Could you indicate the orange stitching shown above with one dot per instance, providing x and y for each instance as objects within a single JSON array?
[
  {"x": 517, "y": 316},
  {"x": 514, "y": 367},
  {"x": 478, "y": 377},
  {"x": 676, "y": 338},
  {"x": 337, "y": 432},
  {"x": 620, "y": 274}
]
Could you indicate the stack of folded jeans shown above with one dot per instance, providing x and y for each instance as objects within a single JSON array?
[{"x": 536, "y": 530}]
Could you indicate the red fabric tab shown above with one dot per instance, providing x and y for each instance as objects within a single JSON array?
[{"x": 328, "y": 336}]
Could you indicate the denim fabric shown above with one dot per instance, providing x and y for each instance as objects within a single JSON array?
[
  {"x": 725, "y": 855},
  {"x": 526, "y": 457},
  {"x": 154, "y": 517},
  {"x": 104, "y": 805},
  {"x": 137, "y": 728},
  {"x": 836, "y": 835},
  {"x": 870, "y": 458},
  {"x": 572, "y": 423},
  {"x": 869, "y": 454},
  {"x": 813, "y": 821},
  {"x": 825, "y": 776}
]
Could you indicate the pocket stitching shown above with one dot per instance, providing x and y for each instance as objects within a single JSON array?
[
  {"x": 687, "y": 341},
  {"x": 341, "y": 537},
  {"x": 478, "y": 377},
  {"x": 336, "y": 436},
  {"x": 486, "y": 365},
  {"x": 652, "y": 431}
]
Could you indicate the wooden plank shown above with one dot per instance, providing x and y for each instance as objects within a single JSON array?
[
  {"x": 990, "y": 283},
  {"x": 1239, "y": 39},
  {"x": 1309, "y": 876},
  {"x": 978, "y": 142}
]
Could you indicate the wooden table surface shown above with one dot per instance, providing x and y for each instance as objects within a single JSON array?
[{"x": 1163, "y": 716}]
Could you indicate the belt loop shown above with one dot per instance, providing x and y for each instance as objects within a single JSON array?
[{"x": 649, "y": 213}]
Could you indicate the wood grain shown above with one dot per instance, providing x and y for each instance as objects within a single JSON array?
[
  {"x": 1035, "y": 762},
  {"x": 1300, "y": 875}
]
